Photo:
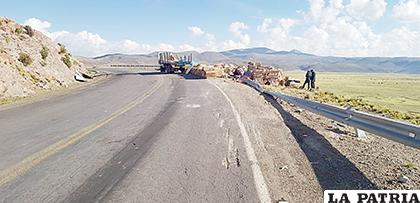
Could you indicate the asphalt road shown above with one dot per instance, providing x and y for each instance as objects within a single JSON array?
[{"x": 137, "y": 137}]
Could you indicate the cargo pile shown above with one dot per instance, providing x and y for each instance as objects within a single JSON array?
[
  {"x": 198, "y": 72},
  {"x": 265, "y": 75},
  {"x": 213, "y": 71}
]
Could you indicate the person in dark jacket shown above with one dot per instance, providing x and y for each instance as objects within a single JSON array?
[
  {"x": 312, "y": 79},
  {"x": 308, "y": 77}
]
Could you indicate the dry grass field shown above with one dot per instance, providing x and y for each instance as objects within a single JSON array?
[{"x": 393, "y": 95}]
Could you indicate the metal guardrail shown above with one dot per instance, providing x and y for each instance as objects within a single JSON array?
[{"x": 398, "y": 131}]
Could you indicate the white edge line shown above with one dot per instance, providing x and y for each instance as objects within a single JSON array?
[{"x": 259, "y": 181}]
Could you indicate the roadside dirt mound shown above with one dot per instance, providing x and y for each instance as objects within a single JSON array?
[{"x": 30, "y": 61}]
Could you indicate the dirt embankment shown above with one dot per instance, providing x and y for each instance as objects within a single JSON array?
[{"x": 30, "y": 61}]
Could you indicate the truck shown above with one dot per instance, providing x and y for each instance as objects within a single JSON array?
[{"x": 171, "y": 63}]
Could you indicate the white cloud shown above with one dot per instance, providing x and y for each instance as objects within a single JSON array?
[
  {"x": 186, "y": 47},
  {"x": 394, "y": 45},
  {"x": 132, "y": 47},
  {"x": 343, "y": 37},
  {"x": 91, "y": 44},
  {"x": 264, "y": 27},
  {"x": 323, "y": 11},
  {"x": 38, "y": 24},
  {"x": 197, "y": 31},
  {"x": 334, "y": 28},
  {"x": 165, "y": 47},
  {"x": 82, "y": 43},
  {"x": 316, "y": 8},
  {"x": 277, "y": 31},
  {"x": 320, "y": 12},
  {"x": 368, "y": 9},
  {"x": 282, "y": 25},
  {"x": 230, "y": 44},
  {"x": 211, "y": 44},
  {"x": 238, "y": 28},
  {"x": 407, "y": 10}
]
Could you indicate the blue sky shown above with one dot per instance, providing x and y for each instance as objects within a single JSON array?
[{"x": 324, "y": 27}]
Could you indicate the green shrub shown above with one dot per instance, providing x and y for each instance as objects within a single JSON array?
[
  {"x": 18, "y": 30},
  {"x": 66, "y": 60},
  {"x": 44, "y": 52},
  {"x": 22, "y": 71},
  {"x": 25, "y": 59},
  {"x": 34, "y": 79}
]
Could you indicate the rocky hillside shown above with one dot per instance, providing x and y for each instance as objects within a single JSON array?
[{"x": 30, "y": 61}]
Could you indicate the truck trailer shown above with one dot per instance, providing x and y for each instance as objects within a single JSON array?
[{"x": 171, "y": 63}]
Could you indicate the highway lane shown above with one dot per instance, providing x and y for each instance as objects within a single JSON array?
[{"x": 135, "y": 138}]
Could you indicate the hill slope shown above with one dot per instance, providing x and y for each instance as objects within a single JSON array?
[{"x": 30, "y": 61}]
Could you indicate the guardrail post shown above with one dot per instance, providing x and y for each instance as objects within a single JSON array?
[{"x": 360, "y": 133}]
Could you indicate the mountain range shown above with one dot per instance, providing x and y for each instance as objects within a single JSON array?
[{"x": 286, "y": 60}]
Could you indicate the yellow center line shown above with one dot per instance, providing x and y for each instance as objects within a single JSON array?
[{"x": 26, "y": 164}]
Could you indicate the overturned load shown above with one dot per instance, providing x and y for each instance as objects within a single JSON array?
[
  {"x": 214, "y": 71},
  {"x": 265, "y": 75}
]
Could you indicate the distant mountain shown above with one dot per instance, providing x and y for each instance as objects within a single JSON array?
[
  {"x": 120, "y": 59},
  {"x": 292, "y": 52},
  {"x": 287, "y": 60}
]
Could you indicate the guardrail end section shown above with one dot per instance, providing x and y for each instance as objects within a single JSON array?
[{"x": 360, "y": 133}]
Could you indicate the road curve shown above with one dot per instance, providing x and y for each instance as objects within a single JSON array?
[{"x": 138, "y": 137}]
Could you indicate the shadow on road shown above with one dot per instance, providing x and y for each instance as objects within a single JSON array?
[
  {"x": 121, "y": 74},
  {"x": 333, "y": 170},
  {"x": 138, "y": 73},
  {"x": 191, "y": 77},
  {"x": 152, "y": 73}
]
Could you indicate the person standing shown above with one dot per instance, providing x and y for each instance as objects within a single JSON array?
[
  {"x": 312, "y": 79},
  {"x": 308, "y": 77}
]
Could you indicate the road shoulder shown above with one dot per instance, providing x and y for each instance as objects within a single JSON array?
[
  {"x": 338, "y": 158},
  {"x": 285, "y": 167}
]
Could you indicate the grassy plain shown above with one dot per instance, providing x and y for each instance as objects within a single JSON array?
[{"x": 396, "y": 92}]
